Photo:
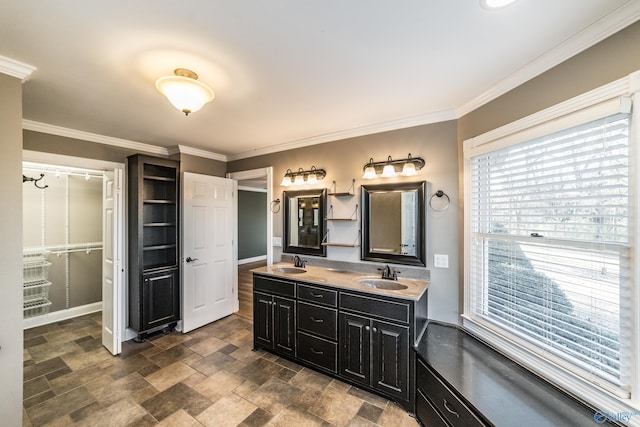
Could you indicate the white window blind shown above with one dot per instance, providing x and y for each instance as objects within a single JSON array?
[{"x": 550, "y": 247}]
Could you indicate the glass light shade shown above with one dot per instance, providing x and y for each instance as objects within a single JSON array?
[
  {"x": 369, "y": 172},
  {"x": 299, "y": 180},
  {"x": 388, "y": 171},
  {"x": 186, "y": 94},
  {"x": 495, "y": 4},
  {"x": 409, "y": 169},
  {"x": 312, "y": 178},
  {"x": 286, "y": 181}
]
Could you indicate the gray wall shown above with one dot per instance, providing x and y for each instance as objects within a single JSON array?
[
  {"x": 343, "y": 160},
  {"x": 11, "y": 341},
  {"x": 252, "y": 224}
]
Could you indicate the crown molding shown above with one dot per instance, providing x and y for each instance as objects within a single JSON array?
[
  {"x": 15, "y": 68},
  {"x": 423, "y": 119},
  {"x": 610, "y": 24},
  {"x": 183, "y": 149},
  {"x": 93, "y": 137}
]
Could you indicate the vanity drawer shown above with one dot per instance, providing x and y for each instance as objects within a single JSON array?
[
  {"x": 384, "y": 309},
  {"x": 448, "y": 405},
  {"x": 426, "y": 413},
  {"x": 318, "y": 351},
  {"x": 317, "y": 295},
  {"x": 318, "y": 320},
  {"x": 273, "y": 286}
]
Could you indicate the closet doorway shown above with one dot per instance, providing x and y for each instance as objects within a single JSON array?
[{"x": 73, "y": 242}]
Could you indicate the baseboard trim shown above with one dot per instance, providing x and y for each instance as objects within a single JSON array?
[
  {"x": 59, "y": 315},
  {"x": 250, "y": 260}
]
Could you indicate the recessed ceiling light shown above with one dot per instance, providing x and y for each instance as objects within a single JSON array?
[{"x": 495, "y": 4}]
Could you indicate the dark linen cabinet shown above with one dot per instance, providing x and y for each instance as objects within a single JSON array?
[{"x": 154, "y": 267}]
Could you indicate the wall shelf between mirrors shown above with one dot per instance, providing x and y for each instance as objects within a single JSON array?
[
  {"x": 355, "y": 244},
  {"x": 349, "y": 193},
  {"x": 352, "y": 218}
]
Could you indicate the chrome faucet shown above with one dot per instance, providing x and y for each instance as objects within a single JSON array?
[
  {"x": 297, "y": 262},
  {"x": 389, "y": 274}
]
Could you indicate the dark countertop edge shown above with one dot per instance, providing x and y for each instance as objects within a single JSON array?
[{"x": 515, "y": 364}]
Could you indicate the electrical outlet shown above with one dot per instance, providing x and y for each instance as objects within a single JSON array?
[{"x": 440, "y": 261}]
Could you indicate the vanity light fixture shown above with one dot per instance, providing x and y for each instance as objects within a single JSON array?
[
  {"x": 311, "y": 176},
  {"x": 390, "y": 168},
  {"x": 184, "y": 90}
]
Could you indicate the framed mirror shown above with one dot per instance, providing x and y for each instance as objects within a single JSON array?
[
  {"x": 393, "y": 223},
  {"x": 304, "y": 221}
]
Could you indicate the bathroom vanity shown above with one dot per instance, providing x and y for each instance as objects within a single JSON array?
[{"x": 352, "y": 326}]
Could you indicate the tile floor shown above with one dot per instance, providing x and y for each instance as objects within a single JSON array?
[{"x": 208, "y": 377}]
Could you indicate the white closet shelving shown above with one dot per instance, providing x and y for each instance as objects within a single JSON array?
[{"x": 35, "y": 283}]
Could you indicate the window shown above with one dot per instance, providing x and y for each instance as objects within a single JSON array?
[{"x": 548, "y": 247}]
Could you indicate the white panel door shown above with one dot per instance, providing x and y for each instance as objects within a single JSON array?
[
  {"x": 112, "y": 261},
  {"x": 209, "y": 224}
]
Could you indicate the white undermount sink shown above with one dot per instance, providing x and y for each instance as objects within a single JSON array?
[
  {"x": 391, "y": 285},
  {"x": 290, "y": 270}
]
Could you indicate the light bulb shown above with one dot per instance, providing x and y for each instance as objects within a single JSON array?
[
  {"x": 286, "y": 181},
  {"x": 409, "y": 169},
  {"x": 388, "y": 171},
  {"x": 369, "y": 172}
]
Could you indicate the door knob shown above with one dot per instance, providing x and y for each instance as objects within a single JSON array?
[{"x": 189, "y": 259}]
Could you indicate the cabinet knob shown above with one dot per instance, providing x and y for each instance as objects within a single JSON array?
[
  {"x": 366, "y": 328},
  {"x": 375, "y": 330}
]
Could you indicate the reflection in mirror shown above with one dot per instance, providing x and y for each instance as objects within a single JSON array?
[
  {"x": 304, "y": 221},
  {"x": 393, "y": 223}
]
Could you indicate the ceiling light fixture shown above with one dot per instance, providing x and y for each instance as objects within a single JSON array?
[
  {"x": 495, "y": 4},
  {"x": 184, "y": 90}
]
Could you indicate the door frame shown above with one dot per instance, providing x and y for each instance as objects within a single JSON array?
[
  {"x": 80, "y": 162},
  {"x": 267, "y": 173}
]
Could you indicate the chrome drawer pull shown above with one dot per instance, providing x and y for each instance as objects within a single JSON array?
[
  {"x": 314, "y": 351},
  {"x": 316, "y": 320},
  {"x": 316, "y": 295},
  {"x": 448, "y": 408}
]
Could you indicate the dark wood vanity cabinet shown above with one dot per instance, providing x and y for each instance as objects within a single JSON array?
[
  {"x": 376, "y": 353},
  {"x": 154, "y": 275},
  {"x": 358, "y": 337},
  {"x": 274, "y": 315},
  {"x": 318, "y": 327}
]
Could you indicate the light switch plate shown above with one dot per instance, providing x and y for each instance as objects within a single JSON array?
[
  {"x": 277, "y": 242},
  {"x": 440, "y": 261}
]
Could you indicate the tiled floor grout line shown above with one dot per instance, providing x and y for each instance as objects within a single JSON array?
[{"x": 208, "y": 377}]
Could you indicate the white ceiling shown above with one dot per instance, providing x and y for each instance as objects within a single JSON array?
[{"x": 285, "y": 73}]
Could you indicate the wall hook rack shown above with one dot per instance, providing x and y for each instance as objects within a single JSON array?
[{"x": 34, "y": 180}]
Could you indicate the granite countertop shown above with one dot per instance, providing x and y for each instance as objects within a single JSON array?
[
  {"x": 504, "y": 392},
  {"x": 346, "y": 280}
]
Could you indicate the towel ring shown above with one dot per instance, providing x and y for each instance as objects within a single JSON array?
[
  {"x": 275, "y": 206},
  {"x": 439, "y": 194}
]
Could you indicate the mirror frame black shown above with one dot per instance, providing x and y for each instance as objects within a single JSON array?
[
  {"x": 420, "y": 258},
  {"x": 322, "y": 224}
]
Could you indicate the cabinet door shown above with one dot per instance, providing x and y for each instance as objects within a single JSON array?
[
  {"x": 390, "y": 357},
  {"x": 262, "y": 320},
  {"x": 159, "y": 298},
  {"x": 284, "y": 315},
  {"x": 355, "y": 355}
]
